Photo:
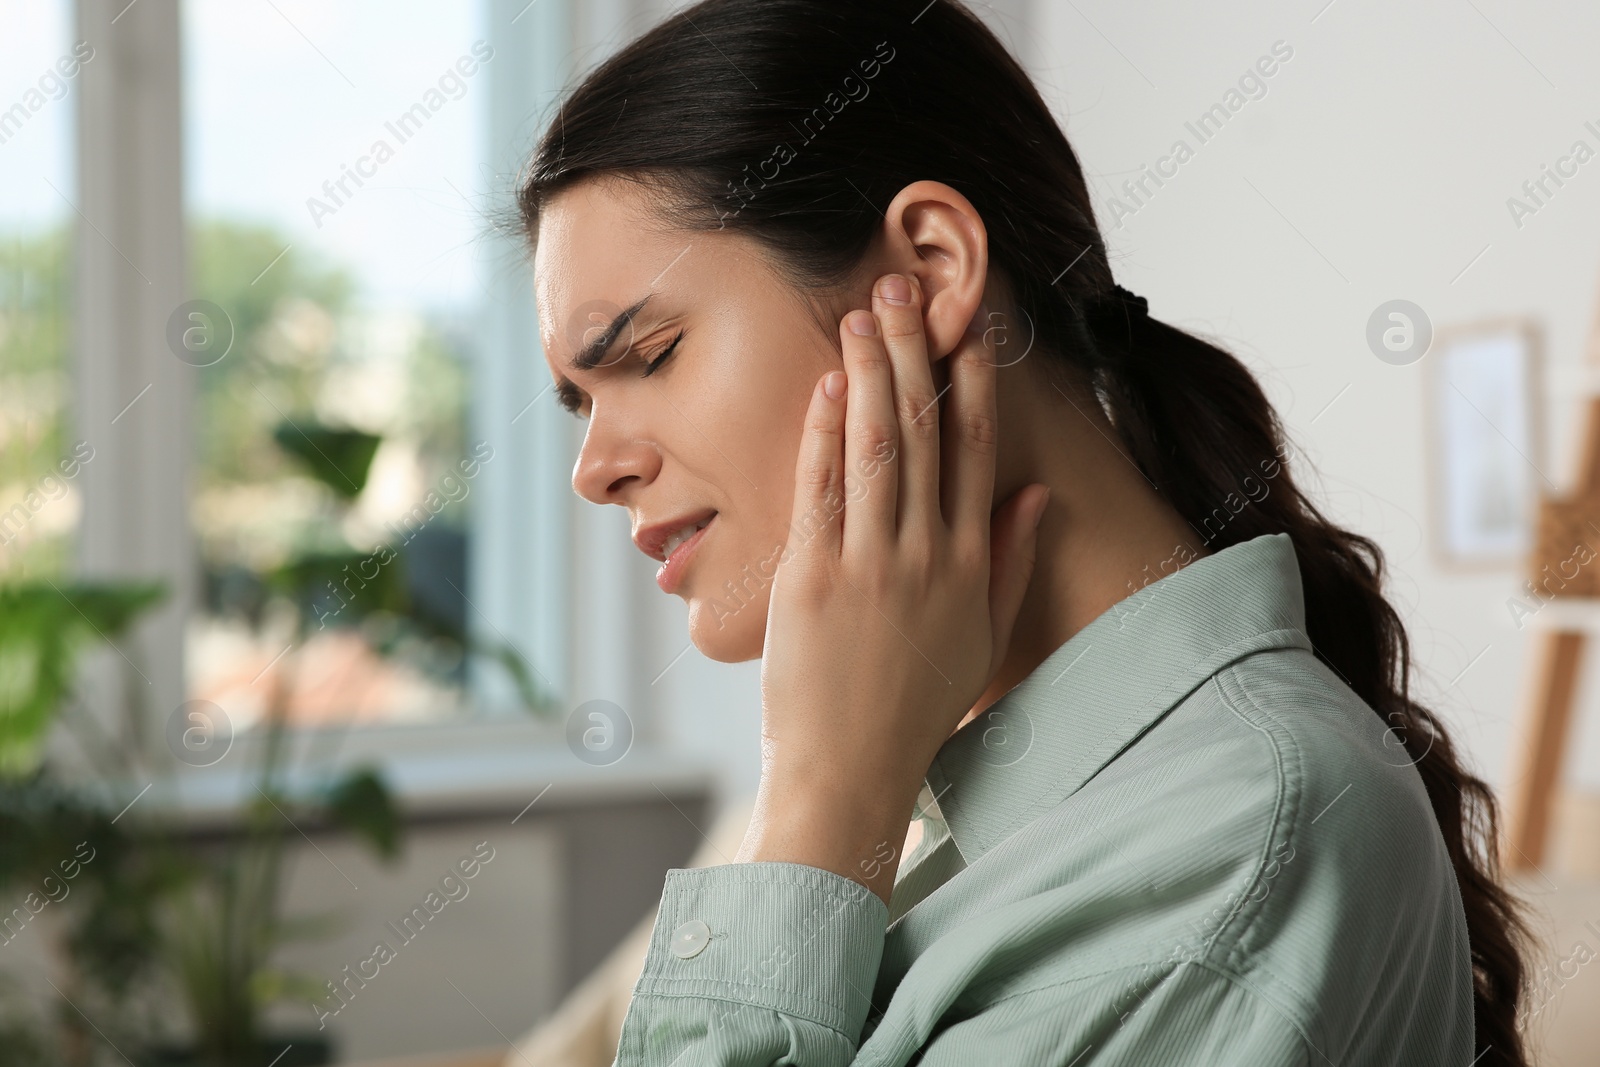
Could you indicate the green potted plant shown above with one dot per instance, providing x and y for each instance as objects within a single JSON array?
[
  {"x": 139, "y": 903},
  {"x": 60, "y": 845},
  {"x": 222, "y": 930}
]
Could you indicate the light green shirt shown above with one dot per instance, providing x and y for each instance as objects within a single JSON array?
[{"x": 1181, "y": 840}]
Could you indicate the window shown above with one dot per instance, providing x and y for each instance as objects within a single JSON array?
[
  {"x": 305, "y": 365},
  {"x": 341, "y": 331},
  {"x": 39, "y": 461}
]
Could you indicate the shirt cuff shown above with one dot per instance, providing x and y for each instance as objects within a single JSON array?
[{"x": 784, "y": 936}]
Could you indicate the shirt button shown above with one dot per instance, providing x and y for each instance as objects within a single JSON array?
[{"x": 690, "y": 939}]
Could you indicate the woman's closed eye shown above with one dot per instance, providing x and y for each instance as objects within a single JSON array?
[
  {"x": 665, "y": 354},
  {"x": 568, "y": 397}
]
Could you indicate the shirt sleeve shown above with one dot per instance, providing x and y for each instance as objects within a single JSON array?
[{"x": 754, "y": 964}]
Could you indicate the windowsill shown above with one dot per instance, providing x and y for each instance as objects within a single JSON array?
[{"x": 437, "y": 772}]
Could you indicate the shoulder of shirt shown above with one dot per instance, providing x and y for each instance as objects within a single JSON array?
[
  {"x": 1300, "y": 758},
  {"x": 1329, "y": 771},
  {"x": 1279, "y": 832},
  {"x": 1330, "y": 848}
]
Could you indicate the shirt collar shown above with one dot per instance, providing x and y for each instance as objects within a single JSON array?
[{"x": 1094, "y": 695}]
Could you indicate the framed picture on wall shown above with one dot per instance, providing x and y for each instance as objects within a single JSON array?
[{"x": 1484, "y": 467}]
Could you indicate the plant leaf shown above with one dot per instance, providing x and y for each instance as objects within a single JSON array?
[
  {"x": 338, "y": 458},
  {"x": 362, "y": 803}
]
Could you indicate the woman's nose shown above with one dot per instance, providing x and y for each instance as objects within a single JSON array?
[{"x": 607, "y": 462}]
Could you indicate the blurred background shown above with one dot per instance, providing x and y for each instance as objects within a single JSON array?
[{"x": 306, "y": 646}]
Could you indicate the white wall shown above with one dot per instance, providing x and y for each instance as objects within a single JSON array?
[
  {"x": 484, "y": 954},
  {"x": 1390, "y": 141}
]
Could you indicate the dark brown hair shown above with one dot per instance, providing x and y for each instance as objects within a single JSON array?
[{"x": 797, "y": 121}]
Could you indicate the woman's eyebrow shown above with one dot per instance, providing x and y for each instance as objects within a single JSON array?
[{"x": 595, "y": 351}]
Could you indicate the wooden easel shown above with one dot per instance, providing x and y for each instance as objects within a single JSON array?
[{"x": 1569, "y": 529}]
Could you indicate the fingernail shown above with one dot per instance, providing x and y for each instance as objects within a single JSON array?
[
  {"x": 894, "y": 289},
  {"x": 861, "y": 323},
  {"x": 833, "y": 384},
  {"x": 1040, "y": 513}
]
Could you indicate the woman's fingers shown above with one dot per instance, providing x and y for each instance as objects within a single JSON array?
[
  {"x": 872, "y": 435},
  {"x": 970, "y": 430},
  {"x": 816, "y": 528},
  {"x": 898, "y": 305}
]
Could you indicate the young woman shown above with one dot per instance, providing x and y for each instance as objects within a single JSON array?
[{"x": 1022, "y": 564}]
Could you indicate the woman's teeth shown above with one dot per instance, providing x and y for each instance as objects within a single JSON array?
[{"x": 680, "y": 537}]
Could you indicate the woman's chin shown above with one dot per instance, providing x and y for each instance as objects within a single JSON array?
[{"x": 727, "y": 635}]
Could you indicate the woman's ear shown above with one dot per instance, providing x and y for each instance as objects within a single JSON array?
[{"x": 936, "y": 236}]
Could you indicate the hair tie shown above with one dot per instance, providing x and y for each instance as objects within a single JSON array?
[
  {"x": 1120, "y": 313},
  {"x": 1119, "y": 303}
]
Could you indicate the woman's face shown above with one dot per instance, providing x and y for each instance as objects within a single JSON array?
[{"x": 714, "y": 429}]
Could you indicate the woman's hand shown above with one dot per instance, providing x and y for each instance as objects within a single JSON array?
[{"x": 892, "y": 606}]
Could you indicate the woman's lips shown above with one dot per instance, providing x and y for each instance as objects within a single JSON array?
[{"x": 671, "y": 572}]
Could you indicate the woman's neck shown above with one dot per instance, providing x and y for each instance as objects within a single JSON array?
[{"x": 1105, "y": 534}]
